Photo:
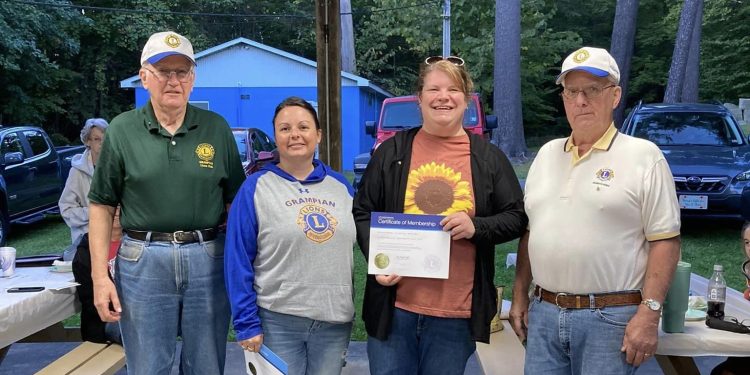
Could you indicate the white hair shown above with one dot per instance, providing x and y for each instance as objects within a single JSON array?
[{"x": 91, "y": 124}]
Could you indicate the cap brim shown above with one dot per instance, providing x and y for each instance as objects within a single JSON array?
[
  {"x": 594, "y": 71},
  {"x": 159, "y": 56}
]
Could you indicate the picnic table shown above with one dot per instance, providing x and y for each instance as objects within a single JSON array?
[
  {"x": 24, "y": 314},
  {"x": 674, "y": 354}
]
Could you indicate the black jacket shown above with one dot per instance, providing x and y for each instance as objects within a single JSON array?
[{"x": 499, "y": 217}]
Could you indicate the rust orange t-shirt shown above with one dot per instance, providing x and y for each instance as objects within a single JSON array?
[{"x": 439, "y": 183}]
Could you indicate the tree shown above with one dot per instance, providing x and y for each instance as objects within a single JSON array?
[
  {"x": 623, "y": 40},
  {"x": 34, "y": 44},
  {"x": 509, "y": 135},
  {"x": 692, "y": 68},
  {"x": 673, "y": 93},
  {"x": 725, "y": 44},
  {"x": 348, "y": 59}
]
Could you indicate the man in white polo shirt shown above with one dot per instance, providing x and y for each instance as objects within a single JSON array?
[{"x": 603, "y": 236}]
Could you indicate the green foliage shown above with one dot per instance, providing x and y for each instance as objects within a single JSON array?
[
  {"x": 725, "y": 52},
  {"x": 60, "y": 66},
  {"x": 59, "y": 139},
  {"x": 34, "y": 45}
]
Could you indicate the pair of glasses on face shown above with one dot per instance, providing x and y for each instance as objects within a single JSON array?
[
  {"x": 182, "y": 75},
  {"x": 455, "y": 60},
  {"x": 592, "y": 92}
]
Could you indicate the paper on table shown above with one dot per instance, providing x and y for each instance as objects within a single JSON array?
[
  {"x": 42, "y": 277},
  {"x": 264, "y": 362}
]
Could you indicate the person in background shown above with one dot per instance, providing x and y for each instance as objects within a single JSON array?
[
  {"x": 422, "y": 325},
  {"x": 739, "y": 365},
  {"x": 74, "y": 202},
  {"x": 74, "y": 208},
  {"x": 173, "y": 169},
  {"x": 603, "y": 239},
  {"x": 289, "y": 252}
]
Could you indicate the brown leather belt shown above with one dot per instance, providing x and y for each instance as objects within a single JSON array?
[
  {"x": 589, "y": 301},
  {"x": 176, "y": 237}
]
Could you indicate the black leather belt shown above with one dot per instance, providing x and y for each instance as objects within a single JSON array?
[{"x": 176, "y": 237}]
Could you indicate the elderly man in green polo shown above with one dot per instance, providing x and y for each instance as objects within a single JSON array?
[
  {"x": 603, "y": 236},
  {"x": 174, "y": 169}
]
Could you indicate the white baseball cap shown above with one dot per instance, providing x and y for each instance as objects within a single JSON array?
[
  {"x": 596, "y": 61},
  {"x": 167, "y": 43}
]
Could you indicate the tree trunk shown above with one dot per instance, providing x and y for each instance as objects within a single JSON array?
[
  {"x": 348, "y": 60},
  {"x": 692, "y": 70},
  {"x": 623, "y": 40},
  {"x": 507, "y": 78},
  {"x": 676, "y": 79}
]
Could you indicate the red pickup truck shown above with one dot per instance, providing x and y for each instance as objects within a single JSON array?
[{"x": 402, "y": 113}]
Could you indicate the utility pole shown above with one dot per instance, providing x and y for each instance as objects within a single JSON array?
[
  {"x": 328, "y": 43},
  {"x": 446, "y": 28}
]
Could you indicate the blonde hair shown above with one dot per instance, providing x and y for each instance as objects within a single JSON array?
[{"x": 458, "y": 74}]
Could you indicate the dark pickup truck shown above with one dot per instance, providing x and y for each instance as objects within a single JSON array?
[{"x": 32, "y": 175}]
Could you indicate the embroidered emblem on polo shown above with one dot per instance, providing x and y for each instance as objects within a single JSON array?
[
  {"x": 317, "y": 223},
  {"x": 605, "y": 174},
  {"x": 172, "y": 40},
  {"x": 205, "y": 153}
]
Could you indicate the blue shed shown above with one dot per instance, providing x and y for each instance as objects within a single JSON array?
[{"x": 244, "y": 80}]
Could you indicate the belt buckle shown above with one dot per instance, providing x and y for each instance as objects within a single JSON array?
[
  {"x": 558, "y": 295},
  {"x": 179, "y": 233}
]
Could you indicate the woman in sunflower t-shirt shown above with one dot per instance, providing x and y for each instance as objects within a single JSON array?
[{"x": 424, "y": 325}]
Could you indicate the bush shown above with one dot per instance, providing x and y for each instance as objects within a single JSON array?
[{"x": 59, "y": 140}]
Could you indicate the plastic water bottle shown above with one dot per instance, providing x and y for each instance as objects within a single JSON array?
[{"x": 717, "y": 292}]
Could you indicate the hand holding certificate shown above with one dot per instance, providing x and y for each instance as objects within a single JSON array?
[
  {"x": 265, "y": 362},
  {"x": 408, "y": 245}
]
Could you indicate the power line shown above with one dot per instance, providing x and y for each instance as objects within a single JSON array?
[
  {"x": 162, "y": 12},
  {"x": 380, "y": 10},
  {"x": 203, "y": 14}
]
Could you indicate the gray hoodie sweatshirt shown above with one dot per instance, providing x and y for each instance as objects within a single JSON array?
[{"x": 74, "y": 201}]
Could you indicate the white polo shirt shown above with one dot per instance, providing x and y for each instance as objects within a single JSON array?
[{"x": 591, "y": 217}]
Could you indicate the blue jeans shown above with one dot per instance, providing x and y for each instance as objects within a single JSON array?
[
  {"x": 308, "y": 346},
  {"x": 168, "y": 290},
  {"x": 576, "y": 341},
  {"x": 421, "y": 344}
]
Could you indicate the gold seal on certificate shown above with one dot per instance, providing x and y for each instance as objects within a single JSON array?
[{"x": 382, "y": 261}]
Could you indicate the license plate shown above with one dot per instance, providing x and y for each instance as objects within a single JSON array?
[{"x": 694, "y": 202}]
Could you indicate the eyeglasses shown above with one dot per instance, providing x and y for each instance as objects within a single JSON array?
[
  {"x": 745, "y": 323},
  {"x": 165, "y": 75},
  {"x": 455, "y": 60},
  {"x": 592, "y": 92}
]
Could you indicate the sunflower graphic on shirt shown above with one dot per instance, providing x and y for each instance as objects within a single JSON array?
[{"x": 437, "y": 189}]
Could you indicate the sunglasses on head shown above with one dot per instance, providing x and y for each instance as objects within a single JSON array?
[{"x": 455, "y": 60}]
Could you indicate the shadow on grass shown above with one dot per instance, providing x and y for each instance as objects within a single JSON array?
[{"x": 48, "y": 236}]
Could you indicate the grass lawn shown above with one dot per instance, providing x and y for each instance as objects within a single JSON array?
[{"x": 704, "y": 243}]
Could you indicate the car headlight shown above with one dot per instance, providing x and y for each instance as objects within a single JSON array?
[
  {"x": 744, "y": 176},
  {"x": 360, "y": 166}
]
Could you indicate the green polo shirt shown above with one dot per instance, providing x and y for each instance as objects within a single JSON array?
[{"x": 167, "y": 183}]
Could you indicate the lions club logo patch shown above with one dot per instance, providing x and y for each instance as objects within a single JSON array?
[
  {"x": 580, "y": 56},
  {"x": 205, "y": 154},
  {"x": 172, "y": 41},
  {"x": 317, "y": 223},
  {"x": 605, "y": 174}
]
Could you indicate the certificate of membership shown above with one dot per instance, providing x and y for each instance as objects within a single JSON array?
[{"x": 408, "y": 245}]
